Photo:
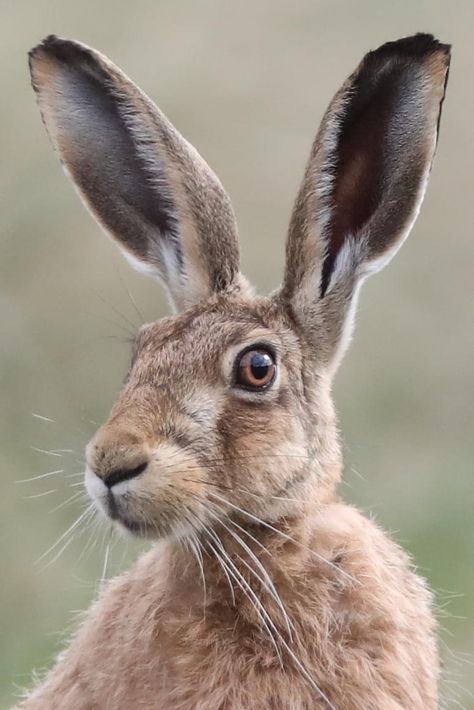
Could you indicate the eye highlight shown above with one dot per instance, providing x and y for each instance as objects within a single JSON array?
[{"x": 255, "y": 368}]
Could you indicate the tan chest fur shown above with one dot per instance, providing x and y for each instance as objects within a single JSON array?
[{"x": 155, "y": 639}]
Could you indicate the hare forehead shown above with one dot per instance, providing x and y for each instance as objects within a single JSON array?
[{"x": 198, "y": 340}]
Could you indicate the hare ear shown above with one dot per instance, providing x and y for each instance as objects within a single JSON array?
[
  {"x": 141, "y": 179},
  {"x": 364, "y": 183}
]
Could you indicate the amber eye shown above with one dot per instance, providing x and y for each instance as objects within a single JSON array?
[{"x": 255, "y": 369}]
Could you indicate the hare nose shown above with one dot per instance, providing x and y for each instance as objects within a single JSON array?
[
  {"x": 124, "y": 474},
  {"x": 116, "y": 456}
]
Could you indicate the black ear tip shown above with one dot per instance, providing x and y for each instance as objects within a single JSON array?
[
  {"x": 46, "y": 46},
  {"x": 53, "y": 46},
  {"x": 417, "y": 47}
]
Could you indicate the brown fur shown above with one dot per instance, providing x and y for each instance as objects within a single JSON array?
[{"x": 264, "y": 590}]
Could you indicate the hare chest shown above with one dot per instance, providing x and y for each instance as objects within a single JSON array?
[{"x": 359, "y": 633}]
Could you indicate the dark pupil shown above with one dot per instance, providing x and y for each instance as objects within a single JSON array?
[{"x": 259, "y": 365}]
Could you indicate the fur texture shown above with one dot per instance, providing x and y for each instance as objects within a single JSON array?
[{"x": 262, "y": 589}]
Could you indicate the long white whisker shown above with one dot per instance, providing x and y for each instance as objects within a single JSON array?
[
  {"x": 49, "y": 452},
  {"x": 266, "y": 580},
  {"x": 295, "y": 658},
  {"x": 41, "y": 495},
  {"x": 262, "y": 613},
  {"x": 221, "y": 510},
  {"x": 284, "y": 535},
  {"x": 106, "y": 557},
  {"x": 74, "y": 496},
  {"x": 66, "y": 544},
  {"x": 93, "y": 524},
  {"x": 42, "y": 475},
  {"x": 195, "y": 547},
  {"x": 42, "y": 418},
  {"x": 223, "y": 566},
  {"x": 70, "y": 529}
]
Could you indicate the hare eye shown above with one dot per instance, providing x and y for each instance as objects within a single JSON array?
[{"x": 255, "y": 369}]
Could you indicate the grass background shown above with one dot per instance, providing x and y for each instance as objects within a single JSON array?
[{"x": 247, "y": 83}]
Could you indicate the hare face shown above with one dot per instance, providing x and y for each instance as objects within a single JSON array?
[
  {"x": 214, "y": 417},
  {"x": 226, "y": 408}
]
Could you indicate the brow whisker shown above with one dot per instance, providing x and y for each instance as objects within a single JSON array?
[{"x": 129, "y": 294}]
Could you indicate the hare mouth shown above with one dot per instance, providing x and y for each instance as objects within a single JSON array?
[
  {"x": 137, "y": 521},
  {"x": 136, "y": 528},
  {"x": 117, "y": 514}
]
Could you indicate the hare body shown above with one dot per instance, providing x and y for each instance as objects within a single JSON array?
[
  {"x": 263, "y": 590},
  {"x": 363, "y": 620}
]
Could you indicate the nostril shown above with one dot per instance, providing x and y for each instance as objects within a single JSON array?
[{"x": 124, "y": 474}]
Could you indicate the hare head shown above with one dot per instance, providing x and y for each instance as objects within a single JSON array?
[{"x": 226, "y": 408}]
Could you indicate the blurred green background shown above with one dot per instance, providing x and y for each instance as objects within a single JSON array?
[{"x": 247, "y": 83}]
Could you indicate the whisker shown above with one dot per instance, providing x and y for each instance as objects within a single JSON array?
[
  {"x": 106, "y": 557},
  {"x": 242, "y": 490},
  {"x": 251, "y": 596},
  {"x": 41, "y": 495},
  {"x": 270, "y": 624},
  {"x": 94, "y": 525},
  {"x": 258, "y": 520},
  {"x": 62, "y": 549},
  {"x": 68, "y": 532},
  {"x": 43, "y": 418},
  {"x": 129, "y": 334},
  {"x": 42, "y": 475},
  {"x": 72, "y": 498},
  {"x": 222, "y": 564},
  {"x": 132, "y": 300},
  {"x": 267, "y": 580},
  {"x": 48, "y": 452},
  {"x": 126, "y": 320},
  {"x": 195, "y": 548}
]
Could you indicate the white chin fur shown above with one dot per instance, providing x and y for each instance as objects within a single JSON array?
[{"x": 96, "y": 489}]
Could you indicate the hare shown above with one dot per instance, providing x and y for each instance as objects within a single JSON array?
[{"x": 262, "y": 588}]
